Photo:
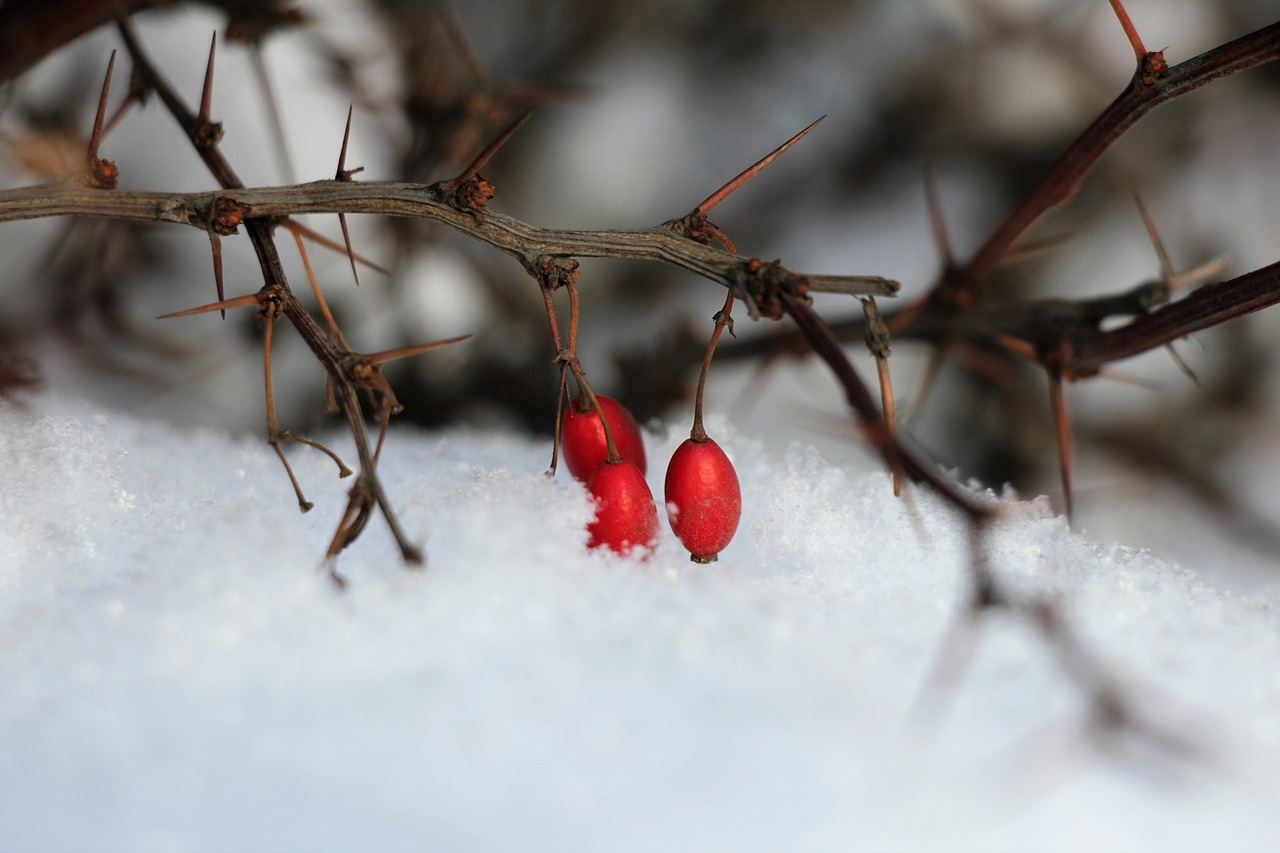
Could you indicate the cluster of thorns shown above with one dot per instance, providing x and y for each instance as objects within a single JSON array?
[{"x": 1064, "y": 337}]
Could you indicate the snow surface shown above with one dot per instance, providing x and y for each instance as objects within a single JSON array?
[{"x": 178, "y": 674}]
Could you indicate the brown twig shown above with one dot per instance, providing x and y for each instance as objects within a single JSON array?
[
  {"x": 527, "y": 243},
  {"x": 338, "y": 362},
  {"x": 723, "y": 320}
]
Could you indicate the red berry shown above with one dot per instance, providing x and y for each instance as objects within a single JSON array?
[
  {"x": 582, "y": 437},
  {"x": 704, "y": 501},
  {"x": 626, "y": 516}
]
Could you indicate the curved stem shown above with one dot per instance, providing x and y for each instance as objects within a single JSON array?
[
  {"x": 584, "y": 388},
  {"x": 723, "y": 318}
]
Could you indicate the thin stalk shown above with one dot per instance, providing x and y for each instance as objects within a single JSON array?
[{"x": 722, "y": 318}]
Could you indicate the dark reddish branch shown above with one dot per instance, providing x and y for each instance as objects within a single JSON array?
[
  {"x": 1130, "y": 31},
  {"x": 32, "y": 29},
  {"x": 1134, "y": 102},
  {"x": 859, "y": 397},
  {"x": 1110, "y": 707},
  {"x": 1208, "y": 306}
]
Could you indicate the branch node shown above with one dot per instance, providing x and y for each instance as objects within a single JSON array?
[
  {"x": 553, "y": 272},
  {"x": 469, "y": 192},
  {"x": 225, "y": 215},
  {"x": 765, "y": 282}
]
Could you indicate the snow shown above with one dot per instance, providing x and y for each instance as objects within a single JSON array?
[
  {"x": 177, "y": 672},
  {"x": 179, "y": 675}
]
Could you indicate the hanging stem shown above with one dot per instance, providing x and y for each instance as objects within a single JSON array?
[
  {"x": 1059, "y": 402},
  {"x": 584, "y": 387},
  {"x": 270, "y": 314},
  {"x": 548, "y": 299},
  {"x": 722, "y": 318},
  {"x": 878, "y": 344}
]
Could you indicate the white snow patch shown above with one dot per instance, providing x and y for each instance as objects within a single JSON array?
[{"x": 179, "y": 676}]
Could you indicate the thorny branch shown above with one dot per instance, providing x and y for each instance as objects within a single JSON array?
[
  {"x": 1207, "y": 306},
  {"x": 1065, "y": 335},
  {"x": 341, "y": 364},
  {"x": 459, "y": 203},
  {"x": 527, "y": 243},
  {"x": 1152, "y": 84}
]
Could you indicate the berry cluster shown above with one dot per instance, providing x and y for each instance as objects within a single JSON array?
[
  {"x": 704, "y": 501},
  {"x": 603, "y": 448}
]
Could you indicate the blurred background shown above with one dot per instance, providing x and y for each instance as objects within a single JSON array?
[{"x": 642, "y": 111}]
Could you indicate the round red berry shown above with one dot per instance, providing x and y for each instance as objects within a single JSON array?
[
  {"x": 626, "y": 516},
  {"x": 582, "y": 437},
  {"x": 704, "y": 500}
]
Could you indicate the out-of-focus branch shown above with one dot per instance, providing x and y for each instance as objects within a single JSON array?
[
  {"x": 1208, "y": 306},
  {"x": 1152, "y": 84},
  {"x": 32, "y": 29}
]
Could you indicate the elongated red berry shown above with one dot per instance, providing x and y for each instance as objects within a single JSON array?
[
  {"x": 626, "y": 516},
  {"x": 582, "y": 437},
  {"x": 704, "y": 500}
]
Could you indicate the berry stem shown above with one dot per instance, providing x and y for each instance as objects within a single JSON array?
[
  {"x": 553, "y": 322},
  {"x": 584, "y": 388},
  {"x": 572, "y": 290},
  {"x": 722, "y": 318},
  {"x": 878, "y": 344},
  {"x": 562, "y": 391}
]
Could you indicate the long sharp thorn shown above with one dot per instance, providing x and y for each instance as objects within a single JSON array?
[
  {"x": 1033, "y": 248},
  {"x": 728, "y": 189},
  {"x": 406, "y": 352},
  {"x": 222, "y": 305},
  {"x": 1122, "y": 377},
  {"x": 316, "y": 237},
  {"x": 1182, "y": 365},
  {"x": 924, "y": 389},
  {"x": 346, "y": 239},
  {"x": 1205, "y": 272},
  {"x": 488, "y": 152},
  {"x": 206, "y": 92},
  {"x": 1018, "y": 346},
  {"x": 215, "y": 244},
  {"x": 133, "y": 97},
  {"x": 456, "y": 32},
  {"x": 1139, "y": 50},
  {"x": 1058, "y": 399},
  {"x": 315, "y": 289},
  {"x": 344, "y": 175},
  {"x": 937, "y": 220},
  {"x": 95, "y": 138},
  {"x": 1166, "y": 268}
]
